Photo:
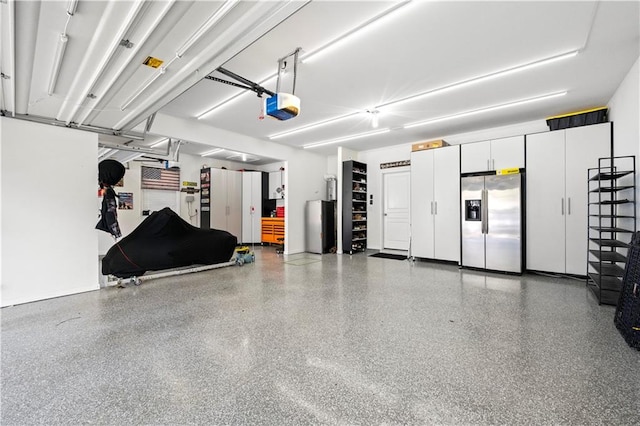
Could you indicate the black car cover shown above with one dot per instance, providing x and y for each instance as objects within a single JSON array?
[{"x": 163, "y": 241}]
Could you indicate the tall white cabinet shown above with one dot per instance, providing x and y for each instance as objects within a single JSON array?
[
  {"x": 435, "y": 203},
  {"x": 226, "y": 201},
  {"x": 251, "y": 207},
  {"x": 495, "y": 154},
  {"x": 556, "y": 183}
]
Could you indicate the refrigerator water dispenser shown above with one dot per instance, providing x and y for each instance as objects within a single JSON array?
[{"x": 472, "y": 209}]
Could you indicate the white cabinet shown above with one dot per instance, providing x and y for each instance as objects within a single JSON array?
[
  {"x": 251, "y": 207},
  {"x": 494, "y": 154},
  {"x": 226, "y": 201},
  {"x": 435, "y": 203},
  {"x": 557, "y": 164}
]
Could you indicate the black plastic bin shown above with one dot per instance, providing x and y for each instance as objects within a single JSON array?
[
  {"x": 582, "y": 118},
  {"x": 627, "y": 317}
]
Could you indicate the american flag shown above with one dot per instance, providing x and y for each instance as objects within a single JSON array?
[{"x": 156, "y": 178}]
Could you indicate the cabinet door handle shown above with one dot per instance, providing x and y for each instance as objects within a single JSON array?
[
  {"x": 435, "y": 210},
  {"x": 431, "y": 207},
  {"x": 562, "y": 206},
  {"x": 568, "y": 205},
  {"x": 493, "y": 164},
  {"x": 488, "y": 164}
]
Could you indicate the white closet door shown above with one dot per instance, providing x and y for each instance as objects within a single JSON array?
[
  {"x": 234, "y": 203},
  {"x": 447, "y": 203},
  {"x": 475, "y": 156},
  {"x": 546, "y": 202},
  {"x": 507, "y": 153},
  {"x": 584, "y": 145},
  {"x": 422, "y": 235},
  {"x": 251, "y": 207},
  {"x": 218, "y": 197}
]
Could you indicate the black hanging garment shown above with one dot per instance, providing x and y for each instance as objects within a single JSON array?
[
  {"x": 109, "y": 214},
  {"x": 109, "y": 173}
]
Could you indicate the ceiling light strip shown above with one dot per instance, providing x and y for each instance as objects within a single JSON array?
[
  {"x": 313, "y": 54},
  {"x": 346, "y": 138},
  {"x": 57, "y": 62},
  {"x": 12, "y": 56},
  {"x": 486, "y": 109},
  {"x": 312, "y": 126},
  {"x": 132, "y": 53},
  {"x": 213, "y": 151},
  {"x": 105, "y": 60},
  {"x": 195, "y": 37},
  {"x": 204, "y": 28},
  {"x": 482, "y": 78}
]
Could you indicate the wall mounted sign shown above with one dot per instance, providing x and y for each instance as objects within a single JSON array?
[{"x": 395, "y": 164}]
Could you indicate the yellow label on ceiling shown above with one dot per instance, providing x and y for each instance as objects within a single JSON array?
[
  {"x": 187, "y": 183},
  {"x": 153, "y": 62},
  {"x": 510, "y": 171}
]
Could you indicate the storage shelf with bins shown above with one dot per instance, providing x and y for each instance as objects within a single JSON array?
[
  {"x": 354, "y": 206},
  {"x": 612, "y": 221}
]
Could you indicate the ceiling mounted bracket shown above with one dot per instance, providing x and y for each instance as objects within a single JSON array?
[{"x": 282, "y": 65}]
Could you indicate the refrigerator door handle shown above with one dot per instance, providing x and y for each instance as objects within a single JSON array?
[{"x": 486, "y": 211}]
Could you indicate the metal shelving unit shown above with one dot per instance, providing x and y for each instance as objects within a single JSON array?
[
  {"x": 612, "y": 221},
  {"x": 354, "y": 206}
]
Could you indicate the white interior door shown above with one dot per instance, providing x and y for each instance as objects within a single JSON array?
[{"x": 397, "y": 191}]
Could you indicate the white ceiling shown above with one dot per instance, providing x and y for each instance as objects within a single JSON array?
[{"x": 420, "y": 46}]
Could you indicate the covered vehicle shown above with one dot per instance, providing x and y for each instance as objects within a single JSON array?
[{"x": 163, "y": 241}]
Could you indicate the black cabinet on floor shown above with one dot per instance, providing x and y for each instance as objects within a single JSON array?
[{"x": 354, "y": 206}]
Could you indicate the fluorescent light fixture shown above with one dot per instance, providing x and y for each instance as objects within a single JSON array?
[
  {"x": 131, "y": 157},
  {"x": 346, "y": 138},
  {"x": 315, "y": 54},
  {"x": 312, "y": 126},
  {"x": 142, "y": 88},
  {"x": 213, "y": 151},
  {"x": 157, "y": 144},
  {"x": 486, "y": 109},
  {"x": 482, "y": 78},
  {"x": 57, "y": 62},
  {"x": 204, "y": 28},
  {"x": 71, "y": 7}
]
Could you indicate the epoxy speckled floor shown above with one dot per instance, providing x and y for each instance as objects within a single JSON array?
[{"x": 321, "y": 340}]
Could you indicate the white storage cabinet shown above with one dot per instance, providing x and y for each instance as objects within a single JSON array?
[
  {"x": 495, "y": 154},
  {"x": 251, "y": 207},
  {"x": 435, "y": 203},
  {"x": 226, "y": 201},
  {"x": 557, "y": 196}
]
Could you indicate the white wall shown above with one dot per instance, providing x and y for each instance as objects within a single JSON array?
[
  {"x": 624, "y": 111},
  {"x": 49, "y": 189},
  {"x": 305, "y": 170}
]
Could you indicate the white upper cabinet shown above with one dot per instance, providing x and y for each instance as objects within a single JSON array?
[{"x": 495, "y": 154}]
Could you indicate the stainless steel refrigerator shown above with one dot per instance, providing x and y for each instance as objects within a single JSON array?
[
  {"x": 492, "y": 225},
  {"x": 320, "y": 226}
]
